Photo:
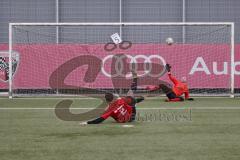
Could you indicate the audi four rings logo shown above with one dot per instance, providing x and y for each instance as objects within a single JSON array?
[{"x": 119, "y": 65}]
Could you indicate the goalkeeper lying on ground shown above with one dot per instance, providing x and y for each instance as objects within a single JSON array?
[{"x": 174, "y": 94}]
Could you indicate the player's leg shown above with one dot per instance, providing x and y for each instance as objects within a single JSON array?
[
  {"x": 170, "y": 94},
  {"x": 167, "y": 90},
  {"x": 134, "y": 81},
  {"x": 173, "y": 98}
]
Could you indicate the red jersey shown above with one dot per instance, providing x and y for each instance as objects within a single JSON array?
[
  {"x": 118, "y": 110},
  {"x": 179, "y": 88}
]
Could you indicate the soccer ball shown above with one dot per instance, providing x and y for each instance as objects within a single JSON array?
[{"x": 169, "y": 41}]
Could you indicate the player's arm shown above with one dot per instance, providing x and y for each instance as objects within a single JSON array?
[
  {"x": 100, "y": 119},
  {"x": 173, "y": 79},
  {"x": 96, "y": 121}
]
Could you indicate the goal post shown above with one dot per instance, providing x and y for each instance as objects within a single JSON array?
[
  {"x": 232, "y": 60},
  {"x": 205, "y": 56}
]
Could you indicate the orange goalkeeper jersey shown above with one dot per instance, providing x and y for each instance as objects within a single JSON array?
[{"x": 179, "y": 88}]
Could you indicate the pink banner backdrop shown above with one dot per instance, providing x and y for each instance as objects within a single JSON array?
[{"x": 202, "y": 64}]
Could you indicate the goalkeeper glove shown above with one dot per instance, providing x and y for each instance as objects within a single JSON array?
[{"x": 168, "y": 67}]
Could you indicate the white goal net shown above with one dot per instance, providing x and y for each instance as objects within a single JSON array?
[{"x": 92, "y": 58}]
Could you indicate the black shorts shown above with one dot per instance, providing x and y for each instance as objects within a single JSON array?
[{"x": 171, "y": 95}]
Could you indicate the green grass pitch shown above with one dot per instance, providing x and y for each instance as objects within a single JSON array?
[{"x": 207, "y": 129}]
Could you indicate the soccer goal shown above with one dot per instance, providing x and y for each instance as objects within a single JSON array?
[{"x": 91, "y": 58}]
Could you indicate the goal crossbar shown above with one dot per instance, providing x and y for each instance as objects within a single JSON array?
[{"x": 126, "y": 23}]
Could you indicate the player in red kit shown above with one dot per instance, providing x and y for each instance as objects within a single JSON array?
[
  {"x": 174, "y": 94},
  {"x": 121, "y": 109}
]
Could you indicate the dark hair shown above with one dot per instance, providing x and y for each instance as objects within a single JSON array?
[{"x": 109, "y": 97}]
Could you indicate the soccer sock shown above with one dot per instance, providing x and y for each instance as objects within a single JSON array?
[{"x": 176, "y": 99}]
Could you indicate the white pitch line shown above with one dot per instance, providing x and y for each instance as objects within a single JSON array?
[
  {"x": 76, "y": 97},
  {"x": 5, "y": 108},
  {"x": 30, "y": 98},
  {"x": 161, "y": 108}
]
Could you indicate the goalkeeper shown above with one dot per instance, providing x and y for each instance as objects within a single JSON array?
[{"x": 174, "y": 94}]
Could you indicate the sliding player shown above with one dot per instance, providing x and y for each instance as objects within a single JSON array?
[
  {"x": 174, "y": 94},
  {"x": 122, "y": 109}
]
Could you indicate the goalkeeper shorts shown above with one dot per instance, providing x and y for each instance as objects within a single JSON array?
[{"x": 171, "y": 95}]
